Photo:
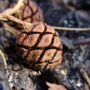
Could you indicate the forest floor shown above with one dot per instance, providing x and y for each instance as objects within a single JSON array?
[{"x": 74, "y": 71}]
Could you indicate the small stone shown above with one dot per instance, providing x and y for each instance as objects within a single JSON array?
[{"x": 16, "y": 67}]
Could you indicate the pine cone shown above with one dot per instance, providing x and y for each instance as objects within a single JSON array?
[
  {"x": 29, "y": 12},
  {"x": 40, "y": 46}
]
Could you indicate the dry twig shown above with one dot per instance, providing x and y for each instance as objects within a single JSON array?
[
  {"x": 26, "y": 24},
  {"x": 6, "y": 15},
  {"x": 15, "y": 9},
  {"x": 18, "y": 21},
  {"x": 86, "y": 77},
  {"x": 4, "y": 60},
  {"x": 71, "y": 29},
  {"x": 11, "y": 29},
  {"x": 68, "y": 43},
  {"x": 82, "y": 41}
]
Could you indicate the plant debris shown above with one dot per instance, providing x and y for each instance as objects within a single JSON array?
[{"x": 73, "y": 73}]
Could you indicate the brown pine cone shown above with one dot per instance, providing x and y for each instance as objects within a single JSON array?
[
  {"x": 40, "y": 46},
  {"x": 29, "y": 12}
]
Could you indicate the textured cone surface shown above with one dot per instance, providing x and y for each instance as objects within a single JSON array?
[
  {"x": 29, "y": 12},
  {"x": 40, "y": 46}
]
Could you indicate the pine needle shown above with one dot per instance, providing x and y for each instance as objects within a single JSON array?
[
  {"x": 71, "y": 29},
  {"x": 11, "y": 29},
  {"x": 3, "y": 57},
  {"x": 86, "y": 77}
]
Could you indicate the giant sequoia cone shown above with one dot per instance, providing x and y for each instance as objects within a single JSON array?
[
  {"x": 40, "y": 46},
  {"x": 29, "y": 12}
]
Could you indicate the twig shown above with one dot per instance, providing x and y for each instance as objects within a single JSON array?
[
  {"x": 68, "y": 43},
  {"x": 82, "y": 41},
  {"x": 11, "y": 11},
  {"x": 26, "y": 24},
  {"x": 18, "y": 21},
  {"x": 6, "y": 16},
  {"x": 17, "y": 6},
  {"x": 4, "y": 60},
  {"x": 11, "y": 29},
  {"x": 71, "y": 29},
  {"x": 15, "y": 9},
  {"x": 86, "y": 77}
]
